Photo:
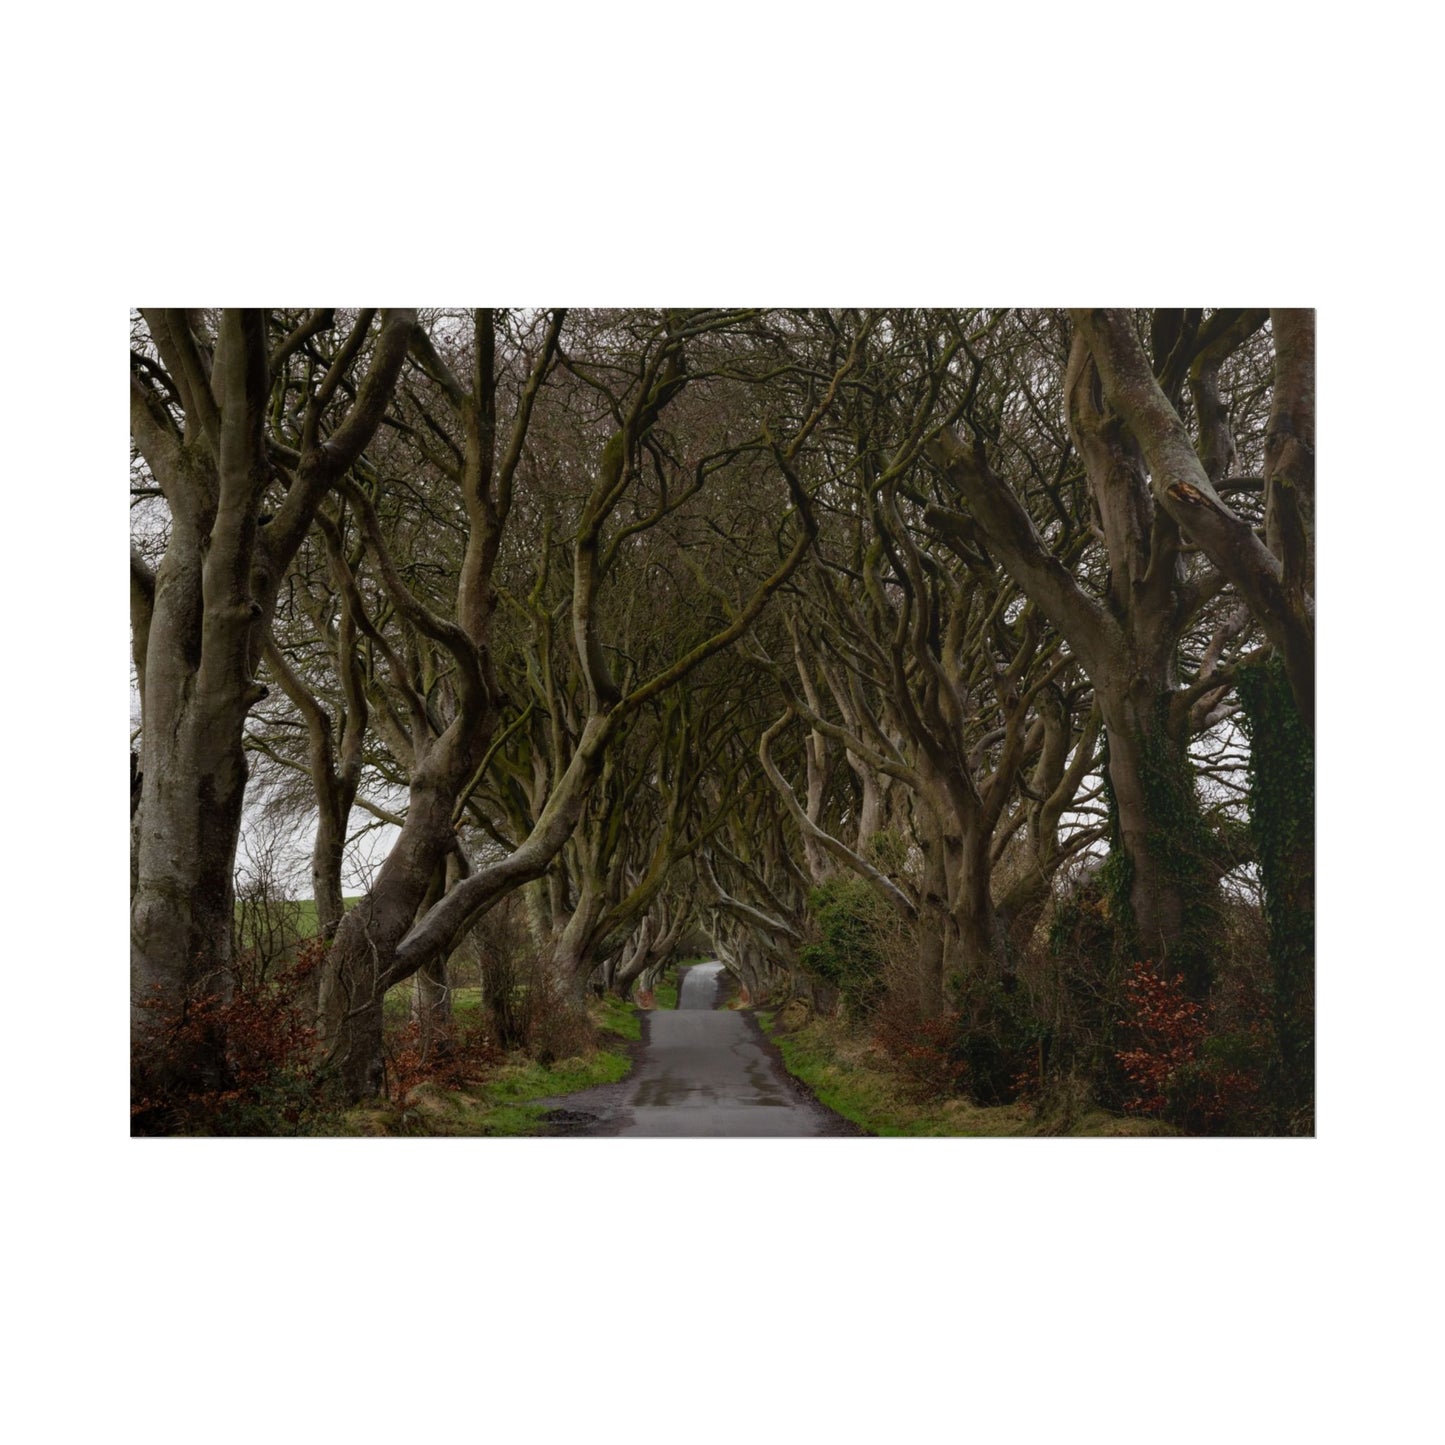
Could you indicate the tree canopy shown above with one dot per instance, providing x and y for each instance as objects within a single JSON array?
[{"x": 914, "y": 662}]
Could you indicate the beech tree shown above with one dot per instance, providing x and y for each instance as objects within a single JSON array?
[
  {"x": 1126, "y": 635},
  {"x": 205, "y": 391},
  {"x": 942, "y": 687},
  {"x": 383, "y": 940},
  {"x": 1274, "y": 575},
  {"x": 742, "y": 616},
  {"x": 1272, "y": 570}
]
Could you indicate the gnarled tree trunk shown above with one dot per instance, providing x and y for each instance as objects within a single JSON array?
[{"x": 203, "y": 618}]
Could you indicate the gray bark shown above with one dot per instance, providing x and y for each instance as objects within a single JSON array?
[
  {"x": 213, "y": 595},
  {"x": 1183, "y": 490}
]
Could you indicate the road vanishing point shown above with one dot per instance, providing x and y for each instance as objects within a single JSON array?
[{"x": 703, "y": 1072}]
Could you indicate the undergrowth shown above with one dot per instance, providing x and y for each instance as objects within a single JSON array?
[
  {"x": 476, "y": 1088},
  {"x": 856, "y": 1078},
  {"x": 459, "y": 1079},
  {"x": 498, "y": 1105}
]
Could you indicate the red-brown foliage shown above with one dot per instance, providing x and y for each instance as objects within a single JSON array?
[
  {"x": 242, "y": 1064},
  {"x": 925, "y": 1051},
  {"x": 1205, "y": 1071},
  {"x": 451, "y": 1062},
  {"x": 1170, "y": 1027}
]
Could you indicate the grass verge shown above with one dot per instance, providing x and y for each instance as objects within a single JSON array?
[
  {"x": 618, "y": 1018},
  {"x": 852, "y": 1077},
  {"x": 500, "y": 1105},
  {"x": 665, "y": 994}
]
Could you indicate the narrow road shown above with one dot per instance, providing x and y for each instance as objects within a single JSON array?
[{"x": 703, "y": 1072}]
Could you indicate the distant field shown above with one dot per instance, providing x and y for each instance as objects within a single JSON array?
[
  {"x": 306, "y": 918},
  {"x": 396, "y": 1007},
  {"x": 300, "y": 913}
]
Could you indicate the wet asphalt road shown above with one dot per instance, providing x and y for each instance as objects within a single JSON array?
[{"x": 703, "y": 1072}]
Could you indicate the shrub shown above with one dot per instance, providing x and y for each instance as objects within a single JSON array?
[
  {"x": 1207, "y": 1072},
  {"x": 1169, "y": 1028},
  {"x": 264, "y": 1083},
  {"x": 853, "y": 922},
  {"x": 1223, "y": 1091},
  {"x": 986, "y": 1049},
  {"x": 411, "y": 1061},
  {"x": 923, "y": 1051},
  {"x": 999, "y": 1036}
]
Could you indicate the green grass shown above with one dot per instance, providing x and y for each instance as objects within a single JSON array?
[
  {"x": 853, "y": 1080},
  {"x": 508, "y": 1093},
  {"x": 396, "y": 1006},
  {"x": 499, "y": 1106},
  {"x": 302, "y": 913},
  {"x": 619, "y": 1018}
]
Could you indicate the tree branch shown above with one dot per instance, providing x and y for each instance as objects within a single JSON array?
[
  {"x": 883, "y": 886},
  {"x": 1011, "y": 533},
  {"x": 1184, "y": 489},
  {"x": 321, "y": 466}
]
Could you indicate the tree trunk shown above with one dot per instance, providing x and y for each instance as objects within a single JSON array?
[
  {"x": 870, "y": 807},
  {"x": 975, "y": 921},
  {"x": 349, "y": 1008},
  {"x": 327, "y": 859},
  {"x": 135, "y": 823},
  {"x": 199, "y": 623},
  {"x": 1165, "y": 887},
  {"x": 633, "y": 961},
  {"x": 572, "y": 958},
  {"x": 193, "y": 787},
  {"x": 539, "y": 899},
  {"x": 934, "y": 925},
  {"x": 1281, "y": 806},
  {"x": 961, "y": 936},
  {"x": 431, "y": 1005},
  {"x": 820, "y": 866},
  {"x": 431, "y": 1002}
]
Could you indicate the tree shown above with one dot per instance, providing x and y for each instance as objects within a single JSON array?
[
  {"x": 940, "y": 683},
  {"x": 1275, "y": 576},
  {"x": 205, "y": 390},
  {"x": 382, "y": 940},
  {"x": 790, "y": 619},
  {"x": 1127, "y": 636}
]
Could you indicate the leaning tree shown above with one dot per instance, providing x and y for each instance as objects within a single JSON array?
[{"x": 242, "y": 421}]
